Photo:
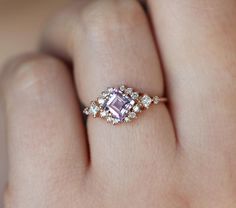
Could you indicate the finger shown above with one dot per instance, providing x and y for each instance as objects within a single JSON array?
[
  {"x": 46, "y": 141},
  {"x": 198, "y": 46},
  {"x": 110, "y": 43}
]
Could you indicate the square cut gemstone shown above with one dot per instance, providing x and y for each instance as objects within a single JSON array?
[{"x": 119, "y": 105}]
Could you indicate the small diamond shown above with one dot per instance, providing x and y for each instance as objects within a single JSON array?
[
  {"x": 103, "y": 114},
  {"x": 135, "y": 95},
  {"x": 136, "y": 108},
  {"x": 86, "y": 111},
  {"x": 122, "y": 88},
  {"x": 101, "y": 100},
  {"x": 93, "y": 109},
  {"x": 128, "y": 91},
  {"x": 109, "y": 119},
  {"x": 127, "y": 119},
  {"x": 132, "y": 115},
  {"x": 156, "y": 100},
  {"x": 115, "y": 121},
  {"x": 105, "y": 93},
  {"x": 110, "y": 89},
  {"x": 146, "y": 101}
]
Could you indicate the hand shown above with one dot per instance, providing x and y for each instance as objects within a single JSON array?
[{"x": 178, "y": 155}]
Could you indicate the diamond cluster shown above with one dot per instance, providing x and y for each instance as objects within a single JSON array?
[{"x": 121, "y": 104}]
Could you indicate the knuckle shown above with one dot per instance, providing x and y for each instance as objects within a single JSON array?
[
  {"x": 104, "y": 19},
  {"x": 29, "y": 70}
]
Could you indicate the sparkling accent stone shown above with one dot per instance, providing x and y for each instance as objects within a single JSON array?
[
  {"x": 101, "y": 100},
  {"x": 103, "y": 114},
  {"x": 119, "y": 105},
  {"x": 156, "y": 100},
  {"x": 86, "y": 111},
  {"x": 146, "y": 101},
  {"x": 109, "y": 119},
  {"x": 122, "y": 88},
  {"x": 127, "y": 119},
  {"x": 110, "y": 89},
  {"x": 132, "y": 115},
  {"x": 129, "y": 91},
  {"x": 115, "y": 121},
  {"x": 136, "y": 108},
  {"x": 105, "y": 93},
  {"x": 94, "y": 109},
  {"x": 135, "y": 95}
]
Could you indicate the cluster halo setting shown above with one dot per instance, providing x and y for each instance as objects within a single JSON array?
[{"x": 120, "y": 104}]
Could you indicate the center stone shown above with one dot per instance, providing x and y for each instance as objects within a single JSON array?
[{"x": 119, "y": 105}]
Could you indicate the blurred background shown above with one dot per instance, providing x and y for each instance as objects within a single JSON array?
[{"x": 21, "y": 23}]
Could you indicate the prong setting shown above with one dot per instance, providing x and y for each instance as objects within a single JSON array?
[{"x": 120, "y": 104}]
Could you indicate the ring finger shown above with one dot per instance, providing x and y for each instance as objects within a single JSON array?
[{"x": 110, "y": 43}]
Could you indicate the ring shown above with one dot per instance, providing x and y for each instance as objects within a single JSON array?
[{"x": 121, "y": 104}]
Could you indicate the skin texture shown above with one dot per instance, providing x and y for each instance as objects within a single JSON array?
[
  {"x": 179, "y": 155},
  {"x": 21, "y": 24}
]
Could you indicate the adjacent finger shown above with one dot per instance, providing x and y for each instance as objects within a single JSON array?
[
  {"x": 45, "y": 133},
  {"x": 197, "y": 40}
]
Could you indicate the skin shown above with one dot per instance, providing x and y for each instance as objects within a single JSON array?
[
  {"x": 178, "y": 155},
  {"x": 21, "y": 23}
]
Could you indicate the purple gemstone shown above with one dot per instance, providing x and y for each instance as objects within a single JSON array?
[{"x": 119, "y": 105}]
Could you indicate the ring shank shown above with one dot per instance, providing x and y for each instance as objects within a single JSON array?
[{"x": 163, "y": 99}]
